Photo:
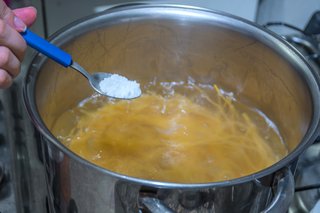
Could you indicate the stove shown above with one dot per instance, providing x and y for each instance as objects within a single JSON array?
[
  {"x": 307, "y": 191},
  {"x": 23, "y": 184},
  {"x": 307, "y": 175},
  {"x": 22, "y": 187}
]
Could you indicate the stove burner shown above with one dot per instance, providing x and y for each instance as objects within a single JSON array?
[{"x": 307, "y": 181}]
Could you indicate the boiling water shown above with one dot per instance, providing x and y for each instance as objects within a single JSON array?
[{"x": 176, "y": 132}]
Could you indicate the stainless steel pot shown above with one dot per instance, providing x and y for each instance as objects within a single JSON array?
[{"x": 171, "y": 43}]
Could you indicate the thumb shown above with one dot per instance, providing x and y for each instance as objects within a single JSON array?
[{"x": 27, "y": 15}]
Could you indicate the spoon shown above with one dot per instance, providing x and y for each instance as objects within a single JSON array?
[{"x": 111, "y": 85}]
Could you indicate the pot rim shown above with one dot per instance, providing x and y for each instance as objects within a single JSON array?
[{"x": 309, "y": 75}]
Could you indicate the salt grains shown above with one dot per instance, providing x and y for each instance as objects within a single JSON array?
[{"x": 120, "y": 87}]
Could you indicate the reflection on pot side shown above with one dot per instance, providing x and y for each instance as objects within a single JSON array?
[{"x": 176, "y": 132}]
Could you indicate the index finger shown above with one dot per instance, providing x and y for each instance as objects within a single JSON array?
[{"x": 12, "y": 39}]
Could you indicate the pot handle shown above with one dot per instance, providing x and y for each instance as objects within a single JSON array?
[
  {"x": 154, "y": 205},
  {"x": 280, "y": 203},
  {"x": 284, "y": 194}
]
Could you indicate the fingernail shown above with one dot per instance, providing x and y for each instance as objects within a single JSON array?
[{"x": 19, "y": 24}]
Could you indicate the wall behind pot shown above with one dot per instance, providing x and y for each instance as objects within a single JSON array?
[{"x": 73, "y": 9}]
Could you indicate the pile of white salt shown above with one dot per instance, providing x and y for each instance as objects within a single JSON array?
[{"x": 120, "y": 87}]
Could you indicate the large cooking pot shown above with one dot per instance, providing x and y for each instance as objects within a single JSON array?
[{"x": 171, "y": 43}]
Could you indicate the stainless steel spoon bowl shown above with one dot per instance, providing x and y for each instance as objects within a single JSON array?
[{"x": 95, "y": 80}]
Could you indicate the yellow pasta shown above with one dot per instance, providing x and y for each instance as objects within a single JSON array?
[{"x": 198, "y": 136}]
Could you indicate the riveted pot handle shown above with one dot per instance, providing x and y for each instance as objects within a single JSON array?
[{"x": 284, "y": 193}]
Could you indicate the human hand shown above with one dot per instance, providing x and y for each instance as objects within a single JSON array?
[{"x": 12, "y": 45}]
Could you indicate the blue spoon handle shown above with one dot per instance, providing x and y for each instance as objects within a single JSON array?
[{"x": 46, "y": 48}]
